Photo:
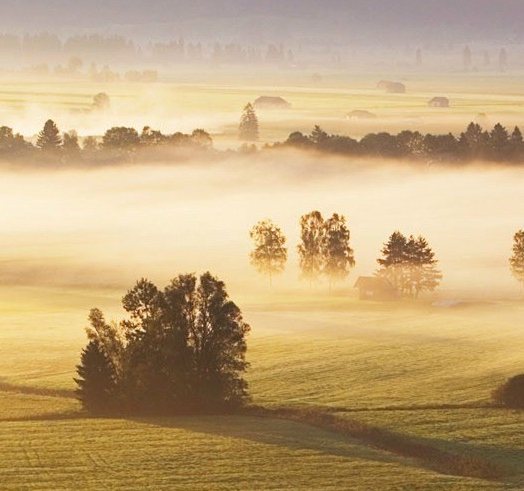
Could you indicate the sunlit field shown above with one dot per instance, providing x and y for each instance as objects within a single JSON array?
[
  {"x": 188, "y": 99},
  {"x": 73, "y": 239}
]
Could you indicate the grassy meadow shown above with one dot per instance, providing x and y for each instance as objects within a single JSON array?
[{"x": 422, "y": 370}]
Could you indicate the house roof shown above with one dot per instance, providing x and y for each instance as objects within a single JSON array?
[
  {"x": 374, "y": 283},
  {"x": 267, "y": 100}
]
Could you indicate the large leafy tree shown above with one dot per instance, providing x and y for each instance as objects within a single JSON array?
[
  {"x": 409, "y": 264},
  {"x": 248, "y": 127},
  {"x": 120, "y": 141},
  {"x": 182, "y": 349},
  {"x": 338, "y": 255},
  {"x": 12, "y": 144},
  {"x": 310, "y": 250},
  {"x": 270, "y": 254},
  {"x": 516, "y": 261}
]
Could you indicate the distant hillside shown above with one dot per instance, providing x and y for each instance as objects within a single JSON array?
[{"x": 341, "y": 20}]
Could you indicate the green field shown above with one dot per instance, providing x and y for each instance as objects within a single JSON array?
[{"x": 389, "y": 366}]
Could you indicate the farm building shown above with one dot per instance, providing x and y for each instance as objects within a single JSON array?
[
  {"x": 392, "y": 87},
  {"x": 375, "y": 288},
  {"x": 271, "y": 102},
  {"x": 361, "y": 114},
  {"x": 439, "y": 102}
]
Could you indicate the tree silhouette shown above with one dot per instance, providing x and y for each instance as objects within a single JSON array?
[
  {"x": 409, "y": 264},
  {"x": 338, "y": 255},
  {"x": 516, "y": 261},
  {"x": 182, "y": 349},
  {"x": 96, "y": 380},
  {"x": 310, "y": 250},
  {"x": 270, "y": 254},
  {"x": 70, "y": 146},
  {"x": 466, "y": 58},
  {"x": 49, "y": 140},
  {"x": 101, "y": 102},
  {"x": 248, "y": 127}
]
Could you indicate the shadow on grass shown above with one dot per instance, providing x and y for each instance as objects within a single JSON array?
[{"x": 380, "y": 445}]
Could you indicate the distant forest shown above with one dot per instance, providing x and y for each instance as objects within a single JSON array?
[
  {"x": 125, "y": 144},
  {"x": 78, "y": 50}
]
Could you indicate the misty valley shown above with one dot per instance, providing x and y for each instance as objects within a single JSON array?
[{"x": 266, "y": 248}]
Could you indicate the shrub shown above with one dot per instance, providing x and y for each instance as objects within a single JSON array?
[{"x": 510, "y": 393}]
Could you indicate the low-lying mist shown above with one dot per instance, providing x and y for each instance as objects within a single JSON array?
[{"x": 107, "y": 227}]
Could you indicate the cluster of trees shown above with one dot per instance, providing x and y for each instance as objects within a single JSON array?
[
  {"x": 118, "y": 143},
  {"x": 409, "y": 264},
  {"x": 324, "y": 251},
  {"x": 181, "y": 350},
  {"x": 472, "y": 144}
]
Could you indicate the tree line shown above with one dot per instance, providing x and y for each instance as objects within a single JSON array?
[
  {"x": 408, "y": 263},
  {"x": 475, "y": 143},
  {"x": 119, "y": 143}
]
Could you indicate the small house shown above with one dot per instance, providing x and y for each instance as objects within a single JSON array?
[
  {"x": 375, "y": 288},
  {"x": 361, "y": 114},
  {"x": 439, "y": 102},
  {"x": 271, "y": 102},
  {"x": 392, "y": 87}
]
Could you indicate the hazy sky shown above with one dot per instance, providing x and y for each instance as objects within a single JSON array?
[{"x": 380, "y": 18}]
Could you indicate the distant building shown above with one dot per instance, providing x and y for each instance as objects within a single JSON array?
[
  {"x": 439, "y": 102},
  {"x": 375, "y": 288},
  {"x": 361, "y": 114},
  {"x": 271, "y": 102},
  {"x": 392, "y": 87}
]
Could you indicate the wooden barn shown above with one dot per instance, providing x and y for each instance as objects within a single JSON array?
[
  {"x": 439, "y": 102},
  {"x": 375, "y": 288},
  {"x": 271, "y": 102},
  {"x": 360, "y": 114}
]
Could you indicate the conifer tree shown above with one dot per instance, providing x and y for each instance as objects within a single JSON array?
[
  {"x": 49, "y": 138},
  {"x": 248, "y": 127}
]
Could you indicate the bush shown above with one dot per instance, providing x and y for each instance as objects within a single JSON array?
[{"x": 510, "y": 393}]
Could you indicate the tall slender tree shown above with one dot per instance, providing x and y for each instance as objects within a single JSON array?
[
  {"x": 248, "y": 127},
  {"x": 338, "y": 255},
  {"x": 516, "y": 261},
  {"x": 310, "y": 250},
  {"x": 270, "y": 254}
]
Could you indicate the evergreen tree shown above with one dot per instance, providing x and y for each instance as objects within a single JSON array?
[
  {"x": 338, "y": 255},
  {"x": 248, "y": 127},
  {"x": 409, "y": 264},
  {"x": 49, "y": 138},
  {"x": 270, "y": 254},
  {"x": 516, "y": 261},
  {"x": 96, "y": 380},
  {"x": 499, "y": 143},
  {"x": 516, "y": 144}
]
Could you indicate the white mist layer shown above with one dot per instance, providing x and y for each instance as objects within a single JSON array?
[{"x": 109, "y": 227}]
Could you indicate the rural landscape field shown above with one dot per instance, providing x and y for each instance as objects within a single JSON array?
[{"x": 343, "y": 392}]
